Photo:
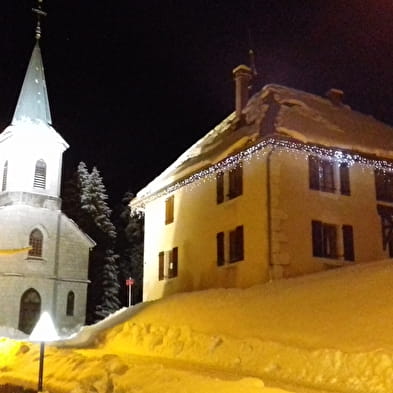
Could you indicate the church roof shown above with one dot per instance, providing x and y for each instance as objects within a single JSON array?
[
  {"x": 280, "y": 113},
  {"x": 33, "y": 101}
]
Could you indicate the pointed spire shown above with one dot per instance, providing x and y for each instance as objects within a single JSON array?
[{"x": 33, "y": 101}]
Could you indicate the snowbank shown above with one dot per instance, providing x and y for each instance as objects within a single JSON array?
[{"x": 330, "y": 331}]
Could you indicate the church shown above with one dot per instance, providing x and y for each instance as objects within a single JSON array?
[{"x": 50, "y": 271}]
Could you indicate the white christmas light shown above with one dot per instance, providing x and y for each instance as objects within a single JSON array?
[{"x": 260, "y": 149}]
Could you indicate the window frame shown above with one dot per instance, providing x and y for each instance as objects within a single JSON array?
[
  {"x": 229, "y": 184},
  {"x": 233, "y": 250},
  {"x": 36, "y": 241},
  {"x": 70, "y": 306}
]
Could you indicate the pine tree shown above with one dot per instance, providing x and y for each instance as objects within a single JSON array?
[
  {"x": 85, "y": 201},
  {"x": 130, "y": 229}
]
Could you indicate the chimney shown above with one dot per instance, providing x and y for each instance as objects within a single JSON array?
[
  {"x": 335, "y": 96},
  {"x": 242, "y": 76}
]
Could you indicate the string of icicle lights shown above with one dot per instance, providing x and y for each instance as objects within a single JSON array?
[{"x": 230, "y": 162}]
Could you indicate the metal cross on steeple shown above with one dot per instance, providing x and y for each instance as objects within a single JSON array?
[{"x": 38, "y": 11}]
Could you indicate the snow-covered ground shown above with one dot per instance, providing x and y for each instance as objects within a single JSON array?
[{"x": 327, "y": 332}]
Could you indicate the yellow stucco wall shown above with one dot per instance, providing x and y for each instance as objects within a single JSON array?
[
  {"x": 276, "y": 244},
  {"x": 198, "y": 218}
]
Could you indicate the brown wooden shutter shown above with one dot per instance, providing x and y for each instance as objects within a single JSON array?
[
  {"x": 344, "y": 179},
  {"x": 220, "y": 249},
  {"x": 239, "y": 243},
  {"x": 232, "y": 246},
  {"x": 175, "y": 254},
  {"x": 317, "y": 238},
  {"x": 161, "y": 265},
  {"x": 220, "y": 187},
  {"x": 349, "y": 251},
  {"x": 169, "y": 209},
  {"x": 313, "y": 172}
]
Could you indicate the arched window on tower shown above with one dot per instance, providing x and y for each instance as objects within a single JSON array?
[
  {"x": 5, "y": 173},
  {"x": 40, "y": 174},
  {"x": 70, "y": 303},
  {"x": 36, "y": 242}
]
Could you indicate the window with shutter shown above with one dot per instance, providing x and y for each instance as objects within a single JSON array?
[
  {"x": 229, "y": 185},
  {"x": 235, "y": 181},
  {"x": 324, "y": 239},
  {"x": 384, "y": 185}
]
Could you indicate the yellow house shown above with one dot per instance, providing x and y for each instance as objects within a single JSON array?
[{"x": 290, "y": 183}]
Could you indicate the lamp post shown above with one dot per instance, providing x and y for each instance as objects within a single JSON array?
[{"x": 44, "y": 331}]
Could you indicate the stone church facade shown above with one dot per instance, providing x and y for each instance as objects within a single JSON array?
[{"x": 52, "y": 275}]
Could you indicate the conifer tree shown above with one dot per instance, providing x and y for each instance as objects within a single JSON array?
[
  {"x": 85, "y": 201},
  {"x": 130, "y": 230}
]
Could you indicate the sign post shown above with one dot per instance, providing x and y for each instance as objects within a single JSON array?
[{"x": 130, "y": 282}]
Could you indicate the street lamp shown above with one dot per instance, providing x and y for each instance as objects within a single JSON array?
[{"x": 44, "y": 331}]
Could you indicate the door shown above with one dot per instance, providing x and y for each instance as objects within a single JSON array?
[{"x": 30, "y": 309}]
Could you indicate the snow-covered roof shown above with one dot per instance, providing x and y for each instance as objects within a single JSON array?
[{"x": 281, "y": 112}]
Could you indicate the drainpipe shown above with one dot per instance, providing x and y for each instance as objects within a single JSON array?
[
  {"x": 269, "y": 208},
  {"x": 56, "y": 268}
]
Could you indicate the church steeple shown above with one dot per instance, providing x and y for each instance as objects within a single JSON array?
[{"x": 33, "y": 103}]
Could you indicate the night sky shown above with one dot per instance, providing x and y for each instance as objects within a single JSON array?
[{"x": 133, "y": 84}]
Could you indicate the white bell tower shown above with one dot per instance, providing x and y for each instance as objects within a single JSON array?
[
  {"x": 50, "y": 270},
  {"x": 30, "y": 149}
]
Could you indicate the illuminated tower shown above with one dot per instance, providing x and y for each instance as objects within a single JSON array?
[{"x": 52, "y": 275}]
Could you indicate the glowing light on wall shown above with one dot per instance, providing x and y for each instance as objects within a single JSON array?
[{"x": 259, "y": 150}]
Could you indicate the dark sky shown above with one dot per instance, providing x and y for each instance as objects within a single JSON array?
[{"x": 133, "y": 84}]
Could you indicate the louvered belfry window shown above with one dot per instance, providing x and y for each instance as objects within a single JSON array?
[{"x": 40, "y": 174}]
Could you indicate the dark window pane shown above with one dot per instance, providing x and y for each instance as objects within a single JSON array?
[
  {"x": 327, "y": 176},
  {"x": 317, "y": 239},
  {"x": 70, "y": 303},
  {"x": 384, "y": 185},
  {"x": 330, "y": 240},
  {"x": 344, "y": 179}
]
